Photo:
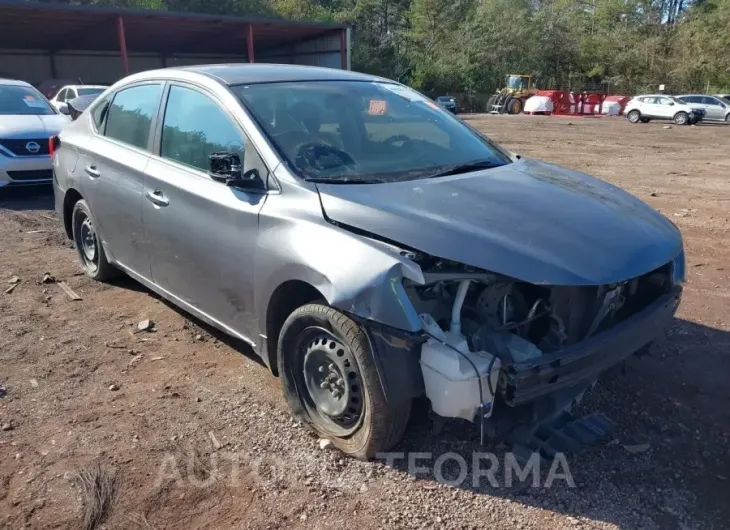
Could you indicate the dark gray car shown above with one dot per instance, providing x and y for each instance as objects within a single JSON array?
[{"x": 370, "y": 246}]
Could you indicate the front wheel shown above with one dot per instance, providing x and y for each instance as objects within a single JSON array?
[
  {"x": 331, "y": 383},
  {"x": 681, "y": 118},
  {"x": 634, "y": 116},
  {"x": 490, "y": 103}
]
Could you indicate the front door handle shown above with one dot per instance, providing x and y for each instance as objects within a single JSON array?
[
  {"x": 92, "y": 171},
  {"x": 156, "y": 197}
]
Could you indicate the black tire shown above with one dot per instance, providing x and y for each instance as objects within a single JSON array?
[
  {"x": 681, "y": 118},
  {"x": 379, "y": 425},
  {"x": 645, "y": 120},
  {"x": 505, "y": 104},
  {"x": 727, "y": 119},
  {"x": 515, "y": 106},
  {"x": 490, "y": 102},
  {"x": 94, "y": 262},
  {"x": 634, "y": 116}
]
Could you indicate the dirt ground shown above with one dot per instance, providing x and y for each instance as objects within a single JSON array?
[{"x": 184, "y": 428}]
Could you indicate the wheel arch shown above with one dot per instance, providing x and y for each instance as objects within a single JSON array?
[
  {"x": 70, "y": 198},
  {"x": 285, "y": 299}
]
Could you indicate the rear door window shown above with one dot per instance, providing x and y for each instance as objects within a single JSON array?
[
  {"x": 130, "y": 114},
  {"x": 195, "y": 127}
]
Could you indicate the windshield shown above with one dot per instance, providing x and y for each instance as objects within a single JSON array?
[
  {"x": 90, "y": 91},
  {"x": 351, "y": 131},
  {"x": 514, "y": 81},
  {"x": 15, "y": 99}
]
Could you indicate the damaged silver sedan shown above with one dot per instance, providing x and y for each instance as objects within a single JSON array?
[{"x": 371, "y": 247}]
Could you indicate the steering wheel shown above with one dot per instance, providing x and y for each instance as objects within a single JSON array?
[
  {"x": 321, "y": 156},
  {"x": 398, "y": 138}
]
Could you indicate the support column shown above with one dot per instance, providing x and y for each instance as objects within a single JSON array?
[
  {"x": 249, "y": 44},
  {"x": 343, "y": 49},
  {"x": 123, "y": 45},
  {"x": 54, "y": 70}
]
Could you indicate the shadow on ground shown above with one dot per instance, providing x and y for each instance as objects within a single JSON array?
[
  {"x": 672, "y": 409},
  {"x": 27, "y": 198}
]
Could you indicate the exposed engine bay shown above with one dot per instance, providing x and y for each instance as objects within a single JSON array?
[
  {"x": 516, "y": 322},
  {"x": 548, "y": 317}
]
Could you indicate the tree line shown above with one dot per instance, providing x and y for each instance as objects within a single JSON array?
[{"x": 466, "y": 47}]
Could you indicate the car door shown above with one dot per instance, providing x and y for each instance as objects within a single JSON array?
[
  {"x": 649, "y": 108},
  {"x": 665, "y": 108},
  {"x": 713, "y": 108},
  {"x": 202, "y": 234},
  {"x": 113, "y": 165}
]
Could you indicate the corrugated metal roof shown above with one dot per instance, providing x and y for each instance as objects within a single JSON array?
[{"x": 55, "y": 27}]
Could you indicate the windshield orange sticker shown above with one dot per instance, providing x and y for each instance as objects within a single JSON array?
[{"x": 377, "y": 107}]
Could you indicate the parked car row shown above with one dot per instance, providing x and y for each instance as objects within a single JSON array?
[
  {"x": 370, "y": 246},
  {"x": 686, "y": 109},
  {"x": 27, "y": 120}
]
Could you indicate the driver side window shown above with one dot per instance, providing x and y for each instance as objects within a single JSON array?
[{"x": 195, "y": 127}]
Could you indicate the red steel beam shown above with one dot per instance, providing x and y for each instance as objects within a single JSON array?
[
  {"x": 123, "y": 45},
  {"x": 249, "y": 44},
  {"x": 343, "y": 49}
]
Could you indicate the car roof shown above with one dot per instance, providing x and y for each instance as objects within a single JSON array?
[
  {"x": 247, "y": 73},
  {"x": 85, "y": 86},
  {"x": 702, "y": 95},
  {"x": 14, "y": 82}
]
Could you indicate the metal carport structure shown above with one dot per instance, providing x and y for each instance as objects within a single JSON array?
[{"x": 100, "y": 45}]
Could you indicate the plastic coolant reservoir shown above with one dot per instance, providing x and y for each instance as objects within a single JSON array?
[{"x": 451, "y": 383}]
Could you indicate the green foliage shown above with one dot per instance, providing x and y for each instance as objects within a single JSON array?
[{"x": 468, "y": 46}]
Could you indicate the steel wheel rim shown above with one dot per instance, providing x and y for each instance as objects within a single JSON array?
[
  {"x": 88, "y": 240},
  {"x": 331, "y": 383}
]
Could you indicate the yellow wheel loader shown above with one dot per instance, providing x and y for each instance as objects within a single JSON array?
[{"x": 511, "y": 99}]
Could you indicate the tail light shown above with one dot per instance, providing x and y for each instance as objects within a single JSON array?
[{"x": 54, "y": 142}]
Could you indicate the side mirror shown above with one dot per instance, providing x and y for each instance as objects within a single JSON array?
[
  {"x": 226, "y": 168},
  {"x": 63, "y": 109},
  {"x": 671, "y": 103}
]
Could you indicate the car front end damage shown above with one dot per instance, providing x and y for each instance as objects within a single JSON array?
[{"x": 550, "y": 342}]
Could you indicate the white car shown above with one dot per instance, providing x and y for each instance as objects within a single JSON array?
[
  {"x": 27, "y": 121},
  {"x": 661, "y": 107},
  {"x": 716, "y": 109},
  {"x": 70, "y": 92}
]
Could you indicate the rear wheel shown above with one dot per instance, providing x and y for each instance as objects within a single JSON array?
[
  {"x": 634, "y": 116},
  {"x": 681, "y": 118},
  {"x": 88, "y": 244},
  {"x": 331, "y": 383},
  {"x": 515, "y": 106}
]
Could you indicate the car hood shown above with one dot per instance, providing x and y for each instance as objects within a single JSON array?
[
  {"x": 530, "y": 220},
  {"x": 20, "y": 126}
]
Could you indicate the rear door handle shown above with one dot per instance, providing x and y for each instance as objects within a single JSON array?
[
  {"x": 156, "y": 197},
  {"x": 92, "y": 171}
]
